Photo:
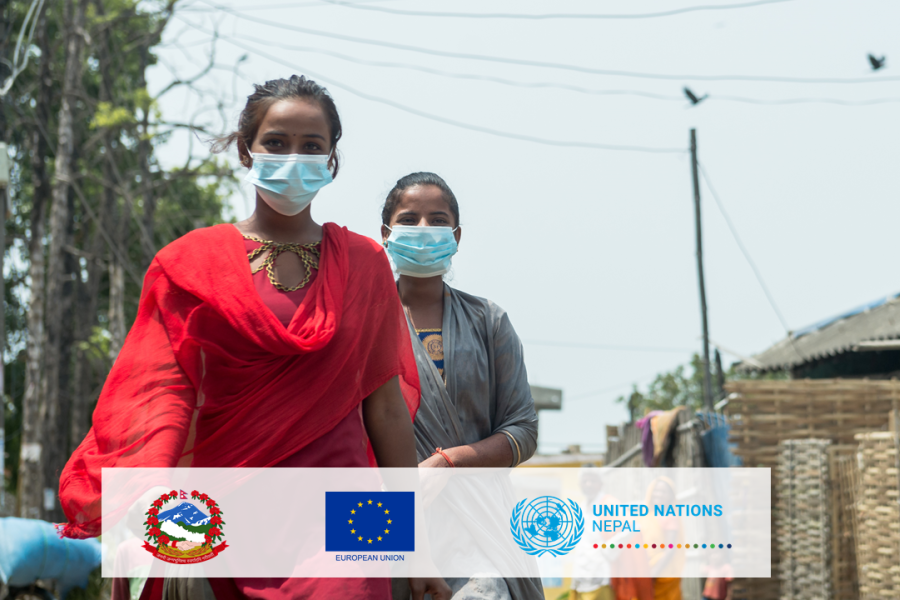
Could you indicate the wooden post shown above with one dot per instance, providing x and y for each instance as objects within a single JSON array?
[
  {"x": 707, "y": 378},
  {"x": 720, "y": 377}
]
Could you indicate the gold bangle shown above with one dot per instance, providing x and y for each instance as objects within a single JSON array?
[{"x": 518, "y": 457}]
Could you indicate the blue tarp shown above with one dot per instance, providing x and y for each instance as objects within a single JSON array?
[
  {"x": 716, "y": 447},
  {"x": 826, "y": 322},
  {"x": 31, "y": 550}
]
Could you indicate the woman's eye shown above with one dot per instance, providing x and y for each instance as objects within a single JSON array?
[
  {"x": 273, "y": 143},
  {"x": 313, "y": 146}
]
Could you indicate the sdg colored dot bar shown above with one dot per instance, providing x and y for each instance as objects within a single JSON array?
[{"x": 664, "y": 546}]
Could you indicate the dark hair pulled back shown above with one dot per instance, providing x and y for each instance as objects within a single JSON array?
[
  {"x": 258, "y": 103},
  {"x": 412, "y": 180}
]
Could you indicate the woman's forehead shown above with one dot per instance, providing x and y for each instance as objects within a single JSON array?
[
  {"x": 295, "y": 113},
  {"x": 420, "y": 198}
]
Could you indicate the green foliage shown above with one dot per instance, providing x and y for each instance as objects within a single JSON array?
[
  {"x": 96, "y": 347},
  {"x": 97, "y": 588},
  {"x": 668, "y": 390},
  {"x": 117, "y": 124},
  {"x": 683, "y": 386},
  {"x": 108, "y": 116}
]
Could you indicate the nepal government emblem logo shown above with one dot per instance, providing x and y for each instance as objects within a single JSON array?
[
  {"x": 547, "y": 525},
  {"x": 184, "y": 534}
]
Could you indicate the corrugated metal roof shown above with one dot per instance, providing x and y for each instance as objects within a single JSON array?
[{"x": 879, "y": 320}]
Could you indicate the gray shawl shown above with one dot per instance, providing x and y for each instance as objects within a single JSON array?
[
  {"x": 486, "y": 392},
  {"x": 487, "y": 387}
]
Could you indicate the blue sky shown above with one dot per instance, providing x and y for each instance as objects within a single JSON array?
[{"x": 586, "y": 246}]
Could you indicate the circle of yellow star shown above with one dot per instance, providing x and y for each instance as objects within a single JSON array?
[
  {"x": 360, "y": 538},
  {"x": 352, "y": 512},
  {"x": 350, "y": 521},
  {"x": 379, "y": 538},
  {"x": 387, "y": 531},
  {"x": 389, "y": 521},
  {"x": 370, "y": 541},
  {"x": 370, "y": 502},
  {"x": 352, "y": 531},
  {"x": 360, "y": 504},
  {"x": 386, "y": 511},
  {"x": 379, "y": 504}
]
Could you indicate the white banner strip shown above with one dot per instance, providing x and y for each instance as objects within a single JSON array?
[{"x": 551, "y": 523}]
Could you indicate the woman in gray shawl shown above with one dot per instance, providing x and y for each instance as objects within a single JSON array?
[{"x": 476, "y": 408}]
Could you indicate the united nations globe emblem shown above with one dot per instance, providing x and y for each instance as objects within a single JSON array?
[{"x": 547, "y": 525}]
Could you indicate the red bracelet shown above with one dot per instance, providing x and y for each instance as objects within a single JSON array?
[{"x": 444, "y": 454}]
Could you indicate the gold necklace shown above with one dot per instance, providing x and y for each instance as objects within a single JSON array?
[{"x": 308, "y": 254}]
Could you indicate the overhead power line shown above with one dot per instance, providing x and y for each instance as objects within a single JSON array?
[
  {"x": 537, "y": 17},
  {"x": 282, "y": 5},
  {"x": 787, "y": 101},
  {"x": 549, "y": 65},
  {"x": 561, "y": 86},
  {"x": 438, "y": 118},
  {"x": 744, "y": 250},
  {"x": 607, "y": 347},
  {"x": 469, "y": 76},
  {"x": 614, "y": 388}
]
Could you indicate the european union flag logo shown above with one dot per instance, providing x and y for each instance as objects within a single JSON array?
[{"x": 370, "y": 522}]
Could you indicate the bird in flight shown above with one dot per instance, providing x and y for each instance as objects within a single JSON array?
[
  {"x": 693, "y": 97},
  {"x": 876, "y": 63}
]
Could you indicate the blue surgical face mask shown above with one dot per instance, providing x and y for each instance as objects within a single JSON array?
[
  {"x": 289, "y": 182},
  {"x": 421, "y": 251}
]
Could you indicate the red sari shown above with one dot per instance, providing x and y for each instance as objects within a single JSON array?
[{"x": 209, "y": 377}]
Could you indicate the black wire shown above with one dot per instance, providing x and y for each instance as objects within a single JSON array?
[
  {"x": 667, "y": 13},
  {"x": 744, "y": 250},
  {"x": 438, "y": 118},
  {"x": 786, "y": 101},
  {"x": 613, "y": 388},
  {"x": 317, "y": 3},
  {"x": 470, "y": 76},
  {"x": 547, "y": 65},
  {"x": 606, "y": 347},
  {"x": 561, "y": 86}
]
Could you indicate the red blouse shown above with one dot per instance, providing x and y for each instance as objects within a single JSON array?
[{"x": 344, "y": 446}]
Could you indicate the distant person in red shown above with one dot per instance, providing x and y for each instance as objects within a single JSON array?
[
  {"x": 719, "y": 578},
  {"x": 666, "y": 564},
  {"x": 631, "y": 559},
  {"x": 276, "y": 342}
]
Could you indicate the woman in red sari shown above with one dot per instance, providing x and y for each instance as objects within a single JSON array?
[{"x": 277, "y": 342}]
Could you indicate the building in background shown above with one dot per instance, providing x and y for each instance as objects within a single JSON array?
[{"x": 863, "y": 342}]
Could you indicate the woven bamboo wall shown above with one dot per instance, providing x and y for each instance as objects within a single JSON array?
[
  {"x": 803, "y": 520},
  {"x": 764, "y": 413},
  {"x": 878, "y": 517},
  {"x": 844, "y": 481},
  {"x": 767, "y": 412}
]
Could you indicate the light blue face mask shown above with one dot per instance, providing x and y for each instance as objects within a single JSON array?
[
  {"x": 421, "y": 251},
  {"x": 289, "y": 182}
]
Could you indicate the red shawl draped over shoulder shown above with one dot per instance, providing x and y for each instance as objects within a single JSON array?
[{"x": 209, "y": 377}]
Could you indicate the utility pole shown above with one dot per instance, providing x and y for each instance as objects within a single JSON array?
[{"x": 707, "y": 378}]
